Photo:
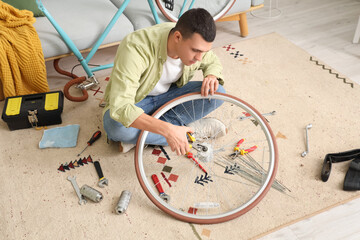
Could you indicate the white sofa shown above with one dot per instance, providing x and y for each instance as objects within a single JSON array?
[{"x": 85, "y": 20}]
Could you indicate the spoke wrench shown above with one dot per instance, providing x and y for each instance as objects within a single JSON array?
[
  {"x": 77, "y": 190},
  {"x": 157, "y": 183},
  {"x": 307, "y": 140}
]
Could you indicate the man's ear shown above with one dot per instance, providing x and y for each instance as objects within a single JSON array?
[{"x": 177, "y": 36}]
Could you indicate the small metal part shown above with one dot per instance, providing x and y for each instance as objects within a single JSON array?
[
  {"x": 206, "y": 154},
  {"x": 77, "y": 190},
  {"x": 32, "y": 117},
  {"x": 200, "y": 147},
  {"x": 206, "y": 205},
  {"x": 89, "y": 83},
  {"x": 264, "y": 114},
  {"x": 123, "y": 202},
  {"x": 91, "y": 193},
  {"x": 307, "y": 140}
]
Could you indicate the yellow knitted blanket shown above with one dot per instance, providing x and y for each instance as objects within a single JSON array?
[{"x": 22, "y": 64}]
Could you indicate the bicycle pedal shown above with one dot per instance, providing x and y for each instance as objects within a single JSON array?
[{"x": 169, "y": 4}]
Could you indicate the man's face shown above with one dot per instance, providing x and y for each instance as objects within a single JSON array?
[{"x": 191, "y": 50}]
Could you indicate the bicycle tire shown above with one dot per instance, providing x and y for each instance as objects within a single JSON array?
[
  {"x": 252, "y": 193},
  {"x": 217, "y": 9}
]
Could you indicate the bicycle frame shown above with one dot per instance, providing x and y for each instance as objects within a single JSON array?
[{"x": 85, "y": 61}]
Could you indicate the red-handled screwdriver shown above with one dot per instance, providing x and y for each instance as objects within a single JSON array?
[{"x": 94, "y": 137}]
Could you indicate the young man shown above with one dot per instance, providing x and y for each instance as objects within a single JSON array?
[{"x": 153, "y": 66}]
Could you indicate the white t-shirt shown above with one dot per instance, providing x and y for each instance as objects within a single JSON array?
[{"x": 172, "y": 71}]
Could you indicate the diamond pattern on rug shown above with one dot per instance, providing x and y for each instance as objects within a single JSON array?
[
  {"x": 173, "y": 177},
  {"x": 156, "y": 152},
  {"x": 167, "y": 169},
  {"x": 161, "y": 160}
]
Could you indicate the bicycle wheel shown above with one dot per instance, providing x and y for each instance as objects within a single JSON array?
[
  {"x": 217, "y": 8},
  {"x": 232, "y": 185}
]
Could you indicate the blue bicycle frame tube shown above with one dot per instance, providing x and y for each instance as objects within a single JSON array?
[
  {"x": 70, "y": 44},
  {"x": 182, "y": 8},
  {"x": 191, "y": 4},
  {"x": 107, "y": 30},
  {"x": 153, "y": 10}
]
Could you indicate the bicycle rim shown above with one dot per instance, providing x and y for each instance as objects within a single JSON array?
[
  {"x": 232, "y": 186},
  {"x": 217, "y": 8}
]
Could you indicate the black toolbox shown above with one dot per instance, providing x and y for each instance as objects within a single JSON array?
[{"x": 33, "y": 110}]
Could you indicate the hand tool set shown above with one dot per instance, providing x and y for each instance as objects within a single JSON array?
[{"x": 87, "y": 192}]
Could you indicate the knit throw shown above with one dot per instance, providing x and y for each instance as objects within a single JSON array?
[{"x": 22, "y": 64}]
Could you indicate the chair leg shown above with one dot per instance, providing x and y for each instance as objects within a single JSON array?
[
  {"x": 243, "y": 25},
  {"x": 357, "y": 33}
]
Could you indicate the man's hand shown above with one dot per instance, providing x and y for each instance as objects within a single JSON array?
[
  {"x": 174, "y": 135},
  {"x": 177, "y": 139},
  {"x": 210, "y": 83}
]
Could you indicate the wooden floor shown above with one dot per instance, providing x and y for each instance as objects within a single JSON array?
[{"x": 325, "y": 29}]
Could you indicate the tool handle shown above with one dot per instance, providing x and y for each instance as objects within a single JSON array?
[
  {"x": 190, "y": 155},
  {"x": 98, "y": 169},
  {"x": 190, "y": 137},
  {"x": 240, "y": 142},
  {"x": 157, "y": 183},
  {"x": 94, "y": 137},
  {"x": 253, "y": 148}
]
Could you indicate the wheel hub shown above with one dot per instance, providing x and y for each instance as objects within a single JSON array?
[{"x": 205, "y": 152}]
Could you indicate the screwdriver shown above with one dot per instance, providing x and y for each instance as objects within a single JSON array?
[{"x": 94, "y": 137}]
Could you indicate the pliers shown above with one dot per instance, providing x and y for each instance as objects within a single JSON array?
[{"x": 238, "y": 151}]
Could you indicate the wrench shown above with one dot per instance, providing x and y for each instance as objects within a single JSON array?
[
  {"x": 77, "y": 190},
  {"x": 162, "y": 195},
  {"x": 264, "y": 114},
  {"x": 307, "y": 140},
  {"x": 102, "y": 180}
]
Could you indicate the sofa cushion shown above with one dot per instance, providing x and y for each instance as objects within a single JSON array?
[
  {"x": 26, "y": 5},
  {"x": 239, "y": 6},
  {"x": 139, "y": 13},
  {"x": 83, "y": 21}
]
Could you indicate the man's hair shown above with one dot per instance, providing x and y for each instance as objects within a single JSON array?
[{"x": 196, "y": 20}]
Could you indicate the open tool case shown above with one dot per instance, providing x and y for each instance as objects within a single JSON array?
[{"x": 33, "y": 110}]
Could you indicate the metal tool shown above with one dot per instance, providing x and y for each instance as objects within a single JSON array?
[
  {"x": 91, "y": 193},
  {"x": 157, "y": 183},
  {"x": 77, "y": 190},
  {"x": 123, "y": 202},
  {"x": 191, "y": 156},
  {"x": 307, "y": 140},
  {"x": 264, "y": 114},
  {"x": 102, "y": 180},
  {"x": 238, "y": 151},
  {"x": 93, "y": 138}
]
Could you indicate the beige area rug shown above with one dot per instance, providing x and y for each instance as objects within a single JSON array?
[{"x": 271, "y": 73}]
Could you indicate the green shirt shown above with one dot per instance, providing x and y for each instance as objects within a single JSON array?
[{"x": 138, "y": 67}]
